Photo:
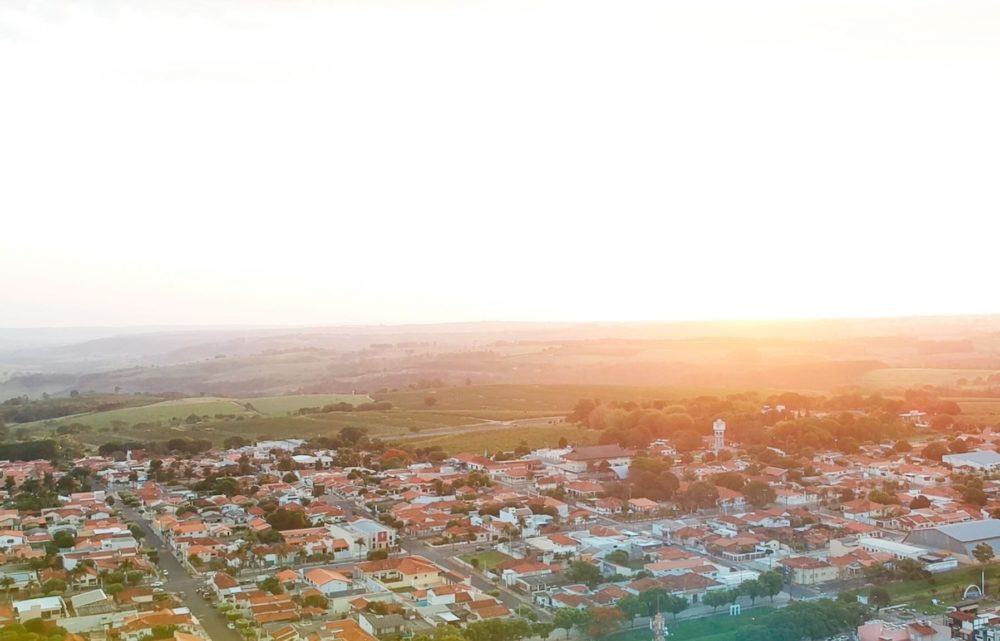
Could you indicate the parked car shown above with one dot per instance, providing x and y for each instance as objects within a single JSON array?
[{"x": 158, "y": 584}]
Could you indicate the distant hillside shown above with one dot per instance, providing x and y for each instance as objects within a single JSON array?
[{"x": 242, "y": 362}]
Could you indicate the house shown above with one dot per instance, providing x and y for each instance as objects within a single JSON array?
[
  {"x": 643, "y": 505},
  {"x": 45, "y": 608},
  {"x": 582, "y": 459},
  {"x": 382, "y": 626},
  {"x": 409, "y": 571},
  {"x": 807, "y": 570},
  {"x": 327, "y": 581}
]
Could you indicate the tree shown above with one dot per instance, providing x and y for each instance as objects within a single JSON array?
[
  {"x": 316, "y": 601},
  {"x": 632, "y": 606},
  {"x": 974, "y": 495},
  {"x": 542, "y": 630},
  {"x": 760, "y": 494},
  {"x": 879, "y": 597},
  {"x": 934, "y": 451},
  {"x": 714, "y": 599},
  {"x": 377, "y": 555},
  {"x": 583, "y": 572},
  {"x": 601, "y": 623},
  {"x": 752, "y": 589},
  {"x": 920, "y": 502},
  {"x": 771, "y": 583},
  {"x": 272, "y": 585},
  {"x": 674, "y": 604},
  {"x": 687, "y": 441},
  {"x": 983, "y": 552},
  {"x": 283, "y": 519},
  {"x": 567, "y": 618}
]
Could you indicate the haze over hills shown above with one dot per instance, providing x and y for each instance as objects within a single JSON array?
[{"x": 247, "y": 361}]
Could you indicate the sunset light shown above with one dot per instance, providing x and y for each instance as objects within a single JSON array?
[{"x": 499, "y": 320}]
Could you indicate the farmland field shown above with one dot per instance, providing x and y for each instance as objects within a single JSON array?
[
  {"x": 506, "y": 438},
  {"x": 910, "y": 376},
  {"x": 164, "y": 411},
  {"x": 554, "y": 399}
]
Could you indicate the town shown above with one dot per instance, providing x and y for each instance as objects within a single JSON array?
[{"x": 348, "y": 538}]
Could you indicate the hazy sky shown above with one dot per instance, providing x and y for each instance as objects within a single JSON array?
[{"x": 332, "y": 162}]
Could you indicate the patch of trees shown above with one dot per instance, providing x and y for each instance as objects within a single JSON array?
[
  {"x": 33, "y": 630},
  {"x": 29, "y": 450},
  {"x": 377, "y": 406},
  {"x": 174, "y": 445},
  {"x": 649, "y": 478},
  {"x": 804, "y": 620},
  {"x": 758, "y": 493},
  {"x": 282, "y": 519},
  {"x": 792, "y": 429}
]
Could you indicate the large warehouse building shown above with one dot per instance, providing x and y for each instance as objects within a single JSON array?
[{"x": 960, "y": 538}]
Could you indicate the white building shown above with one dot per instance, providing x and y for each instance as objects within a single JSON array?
[{"x": 980, "y": 460}]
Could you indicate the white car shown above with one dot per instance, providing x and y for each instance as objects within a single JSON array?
[
  {"x": 231, "y": 626},
  {"x": 158, "y": 584}
]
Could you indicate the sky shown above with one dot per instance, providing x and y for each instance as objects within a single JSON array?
[{"x": 342, "y": 162}]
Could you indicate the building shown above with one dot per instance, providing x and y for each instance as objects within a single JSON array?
[
  {"x": 327, "y": 581},
  {"x": 807, "y": 570},
  {"x": 719, "y": 431},
  {"x": 46, "y": 607},
  {"x": 960, "y": 538},
  {"x": 979, "y": 460},
  {"x": 582, "y": 459}
]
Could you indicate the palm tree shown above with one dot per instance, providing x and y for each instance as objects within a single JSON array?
[
  {"x": 360, "y": 542},
  {"x": 7, "y": 582}
]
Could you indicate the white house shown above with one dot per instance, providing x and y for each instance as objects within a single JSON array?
[{"x": 327, "y": 581}]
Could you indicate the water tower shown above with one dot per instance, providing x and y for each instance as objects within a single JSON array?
[{"x": 719, "y": 429}]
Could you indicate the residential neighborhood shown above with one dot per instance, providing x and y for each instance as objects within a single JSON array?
[{"x": 289, "y": 539}]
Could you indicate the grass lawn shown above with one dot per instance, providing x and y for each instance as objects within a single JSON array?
[
  {"x": 487, "y": 559},
  {"x": 716, "y": 628},
  {"x": 947, "y": 587}
]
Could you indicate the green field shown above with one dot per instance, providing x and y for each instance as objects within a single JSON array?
[
  {"x": 164, "y": 411},
  {"x": 284, "y": 405},
  {"x": 947, "y": 587},
  {"x": 554, "y": 399},
  {"x": 488, "y": 559},
  {"x": 911, "y": 376},
  {"x": 482, "y": 412},
  {"x": 714, "y": 628}
]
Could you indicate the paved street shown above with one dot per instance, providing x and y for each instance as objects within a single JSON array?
[{"x": 180, "y": 582}]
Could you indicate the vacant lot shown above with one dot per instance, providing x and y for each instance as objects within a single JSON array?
[{"x": 487, "y": 560}]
